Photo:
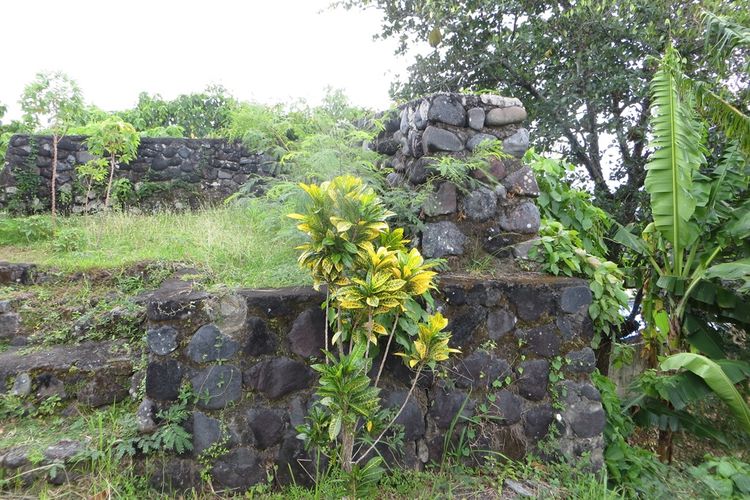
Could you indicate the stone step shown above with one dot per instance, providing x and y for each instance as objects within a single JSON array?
[{"x": 95, "y": 373}]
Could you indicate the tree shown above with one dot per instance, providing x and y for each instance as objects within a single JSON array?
[
  {"x": 580, "y": 66},
  {"x": 116, "y": 140},
  {"x": 202, "y": 114},
  {"x": 52, "y": 102}
]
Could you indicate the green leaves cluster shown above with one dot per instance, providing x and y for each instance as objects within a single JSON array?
[
  {"x": 631, "y": 467},
  {"x": 725, "y": 477},
  {"x": 560, "y": 252},
  {"x": 574, "y": 208}
]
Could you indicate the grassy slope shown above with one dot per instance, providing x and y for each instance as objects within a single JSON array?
[{"x": 251, "y": 247}]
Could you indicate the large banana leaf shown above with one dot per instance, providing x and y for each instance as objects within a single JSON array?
[
  {"x": 738, "y": 270},
  {"x": 677, "y": 156},
  {"x": 715, "y": 378}
]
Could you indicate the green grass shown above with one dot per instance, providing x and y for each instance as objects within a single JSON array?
[{"x": 251, "y": 246}]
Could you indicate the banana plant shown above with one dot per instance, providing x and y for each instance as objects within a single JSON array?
[
  {"x": 699, "y": 213},
  {"x": 696, "y": 277}
]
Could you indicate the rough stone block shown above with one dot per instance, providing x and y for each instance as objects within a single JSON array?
[
  {"x": 238, "y": 469},
  {"x": 522, "y": 182},
  {"x": 476, "y": 118},
  {"x": 307, "y": 336},
  {"x": 575, "y": 298},
  {"x": 163, "y": 380},
  {"x": 447, "y": 110},
  {"x": 541, "y": 341},
  {"x": 505, "y": 116},
  {"x": 268, "y": 426},
  {"x": 463, "y": 326},
  {"x": 440, "y": 239},
  {"x": 480, "y": 205},
  {"x": 517, "y": 144},
  {"x": 500, "y": 322},
  {"x": 10, "y": 324},
  {"x": 442, "y": 202},
  {"x": 209, "y": 344},
  {"x": 438, "y": 139},
  {"x": 206, "y": 431},
  {"x": 533, "y": 377},
  {"x": 523, "y": 218},
  {"x": 446, "y": 405},
  {"x": 531, "y": 303},
  {"x": 217, "y": 386},
  {"x": 537, "y": 421},
  {"x": 583, "y": 361},
  {"x": 259, "y": 339},
  {"x": 162, "y": 340},
  {"x": 507, "y": 406},
  {"x": 278, "y": 377}
]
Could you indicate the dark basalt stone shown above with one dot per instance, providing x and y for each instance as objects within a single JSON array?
[
  {"x": 163, "y": 379},
  {"x": 278, "y": 377},
  {"x": 307, "y": 336},
  {"x": 206, "y": 431},
  {"x": 537, "y": 421},
  {"x": 209, "y": 344},
  {"x": 446, "y": 405},
  {"x": 217, "y": 386},
  {"x": 259, "y": 340},
  {"x": 463, "y": 326},
  {"x": 575, "y": 298},
  {"x": 268, "y": 426},
  {"x": 411, "y": 418},
  {"x": 238, "y": 469},
  {"x": 541, "y": 341},
  {"x": 533, "y": 377},
  {"x": 162, "y": 340}
]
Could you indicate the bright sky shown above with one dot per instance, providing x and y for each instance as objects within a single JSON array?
[{"x": 266, "y": 51}]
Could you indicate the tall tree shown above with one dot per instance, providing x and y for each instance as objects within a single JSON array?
[
  {"x": 582, "y": 68},
  {"x": 52, "y": 102}
]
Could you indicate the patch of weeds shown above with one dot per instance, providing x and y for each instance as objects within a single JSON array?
[{"x": 170, "y": 436}]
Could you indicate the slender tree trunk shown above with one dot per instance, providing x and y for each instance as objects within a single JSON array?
[
  {"x": 347, "y": 448},
  {"x": 664, "y": 447},
  {"x": 88, "y": 194},
  {"x": 53, "y": 180},
  {"x": 111, "y": 176}
]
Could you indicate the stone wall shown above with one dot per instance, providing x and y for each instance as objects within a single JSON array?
[
  {"x": 498, "y": 217},
  {"x": 523, "y": 375},
  {"x": 167, "y": 172}
]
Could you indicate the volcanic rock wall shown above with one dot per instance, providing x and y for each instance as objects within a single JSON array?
[
  {"x": 500, "y": 216},
  {"x": 168, "y": 173},
  {"x": 522, "y": 376}
]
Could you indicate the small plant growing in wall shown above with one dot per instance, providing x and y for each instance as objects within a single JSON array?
[
  {"x": 375, "y": 287},
  {"x": 52, "y": 102},
  {"x": 115, "y": 140},
  {"x": 92, "y": 172}
]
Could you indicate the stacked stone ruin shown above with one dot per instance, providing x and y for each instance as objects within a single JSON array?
[
  {"x": 522, "y": 378},
  {"x": 498, "y": 217}
]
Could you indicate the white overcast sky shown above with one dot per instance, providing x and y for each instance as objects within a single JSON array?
[{"x": 265, "y": 51}]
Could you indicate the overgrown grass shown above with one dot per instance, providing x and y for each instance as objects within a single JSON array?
[{"x": 251, "y": 246}]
